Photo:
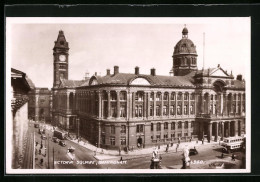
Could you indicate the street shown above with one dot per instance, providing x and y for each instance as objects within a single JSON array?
[{"x": 84, "y": 157}]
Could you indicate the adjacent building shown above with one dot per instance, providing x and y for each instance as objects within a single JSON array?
[
  {"x": 20, "y": 86},
  {"x": 135, "y": 109}
]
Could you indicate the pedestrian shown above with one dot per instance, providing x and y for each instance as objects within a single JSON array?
[
  {"x": 119, "y": 150},
  {"x": 40, "y": 151},
  {"x": 167, "y": 148},
  {"x": 121, "y": 159},
  {"x": 132, "y": 148},
  {"x": 233, "y": 157},
  {"x": 36, "y": 144},
  {"x": 41, "y": 146},
  {"x": 222, "y": 155},
  {"x": 41, "y": 161},
  {"x": 158, "y": 146},
  {"x": 202, "y": 140},
  {"x": 190, "y": 139},
  {"x": 171, "y": 144},
  {"x": 176, "y": 149},
  {"x": 194, "y": 147}
]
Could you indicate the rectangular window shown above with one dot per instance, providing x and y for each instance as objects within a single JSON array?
[
  {"x": 186, "y": 134},
  {"x": 122, "y": 96},
  {"x": 179, "y": 110},
  {"x": 151, "y": 126},
  {"x": 172, "y": 135},
  {"x": 157, "y": 110},
  {"x": 136, "y": 111},
  {"x": 165, "y": 136},
  {"x": 122, "y": 111},
  {"x": 112, "y": 140},
  {"x": 164, "y": 110},
  {"x": 179, "y": 134},
  {"x": 191, "y": 109},
  {"x": 151, "y": 137},
  {"x": 123, "y": 141},
  {"x": 123, "y": 129},
  {"x": 113, "y": 129},
  {"x": 140, "y": 111},
  {"x": 158, "y": 137},
  {"x": 139, "y": 128},
  {"x": 185, "y": 110},
  {"x": 172, "y": 126},
  {"x": 151, "y": 110},
  {"x": 165, "y": 126},
  {"x": 172, "y": 110},
  {"x": 158, "y": 127},
  {"x": 113, "y": 111}
]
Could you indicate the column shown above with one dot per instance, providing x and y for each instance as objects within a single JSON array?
[
  {"x": 202, "y": 103},
  {"x": 99, "y": 105},
  {"x": 148, "y": 104},
  {"x": 241, "y": 104},
  {"x": 176, "y": 104},
  {"x": 182, "y": 104},
  {"x": 189, "y": 128},
  {"x": 128, "y": 106},
  {"x": 228, "y": 134},
  {"x": 99, "y": 134},
  {"x": 108, "y": 105},
  {"x": 236, "y": 103},
  {"x": 182, "y": 128},
  {"x": 176, "y": 129},
  {"x": 236, "y": 128},
  {"x": 169, "y": 103},
  {"x": 117, "y": 104},
  {"x": 224, "y": 103},
  {"x": 222, "y": 130},
  {"x": 145, "y": 105},
  {"x": 133, "y": 103},
  {"x": 209, "y": 131},
  {"x": 68, "y": 100},
  {"x": 221, "y": 103},
  {"x": 162, "y": 93},
  {"x": 154, "y": 104},
  {"x": 188, "y": 104},
  {"x": 216, "y": 131},
  {"x": 195, "y": 104},
  {"x": 231, "y": 104},
  {"x": 208, "y": 104}
]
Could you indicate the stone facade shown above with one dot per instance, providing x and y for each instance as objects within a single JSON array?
[
  {"x": 122, "y": 109},
  {"x": 39, "y": 104}
]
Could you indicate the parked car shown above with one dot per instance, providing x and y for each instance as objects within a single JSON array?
[
  {"x": 193, "y": 152},
  {"x": 62, "y": 143},
  {"x": 71, "y": 149},
  {"x": 55, "y": 139},
  {"x": 36, "y": 125},
  {"x": 43, "y": 137}
]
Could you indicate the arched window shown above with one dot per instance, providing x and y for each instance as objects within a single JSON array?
[
  {"x": 186, "y": 124},
  {"x": 139, "y": 96},
  {"x": 179, "y": 96},
  {"x": 192, "y": 96},
  {"x": 158, "y": 126},
  {"x": 158, "y": 96},
  {"x": 171, "y": 110},
  {"x": 178, "y": 110},
  {"x": 157, "y": 110},
  {"x": 173, "y": 96},
  {"x": 122, "y": 96},
  {"x": 165, "y": 126},
  {"x": 186, "y": 96},
  {"x": 152, "y": 96},
  {"x": 179, "y": 125},
  {"x": 172, "y": 126},
  {"x": 71, "y": 102},
  {"x": 165, "y": 96}
]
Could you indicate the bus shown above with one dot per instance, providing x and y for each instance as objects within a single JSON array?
[{"x": 233, "y": 143}]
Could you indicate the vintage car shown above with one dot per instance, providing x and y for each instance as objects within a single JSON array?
[
  {"x": 43, "y": 137},
  {"x": 55, "y": 140},
  {"x": 71, "y": 149},
  {"x": 193, "y": 152},
  {"x": 62, "y": 143},
  {"x": 36, "y": 125}
]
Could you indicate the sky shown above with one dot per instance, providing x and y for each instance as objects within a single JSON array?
[{"x": 97, "y": 44}]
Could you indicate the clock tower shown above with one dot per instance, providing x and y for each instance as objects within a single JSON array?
[{"x": 60, "y": 59}]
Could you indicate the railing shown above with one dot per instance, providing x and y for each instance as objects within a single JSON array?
[{"x": 230, "y": 115}]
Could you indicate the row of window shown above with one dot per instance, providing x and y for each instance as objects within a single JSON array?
[
  {"x": 140, "y": 127},
  {"x": 166, "y": 136}
]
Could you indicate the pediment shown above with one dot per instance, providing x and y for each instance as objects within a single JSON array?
[
  {"x": 219, "y": 73},
  {"x": 140, "y": 81}
]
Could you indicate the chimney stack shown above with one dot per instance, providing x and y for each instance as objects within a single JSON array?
[
  {"x": 108, "y": 71},
  {"x": 116, "y": 70},
  {"x": 153, "y": 72},
  {"x": 239, "y": 77},
  {"x": 137, "y": 70}
]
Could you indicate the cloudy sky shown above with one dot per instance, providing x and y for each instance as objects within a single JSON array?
[{"x": 97, "y": 44}]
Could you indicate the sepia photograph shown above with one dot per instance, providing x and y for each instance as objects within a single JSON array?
[{"x": 128, "y": 95}]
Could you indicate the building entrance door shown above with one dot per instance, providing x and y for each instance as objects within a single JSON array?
[{"x": 139, "y": 142}]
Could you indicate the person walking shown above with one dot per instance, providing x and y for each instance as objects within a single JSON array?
[{"x": 233, "y": 157}]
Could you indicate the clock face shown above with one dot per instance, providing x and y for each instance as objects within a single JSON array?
[{"x": 62, "y": 57}]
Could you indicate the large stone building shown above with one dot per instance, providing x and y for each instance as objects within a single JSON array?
[
  {"x": 122, "y": 109},
  {"x": 39, "y": 105},
  {"x": 20, "y": 86}
]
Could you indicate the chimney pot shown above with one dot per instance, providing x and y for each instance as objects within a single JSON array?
[
  {"x": 108, "y": 71},
  {"x": 137, "y": 70},
  {"x": 116, "y": 70},
  {"x": 239, "y": 77},
  {"x": 153, "y": 72}
]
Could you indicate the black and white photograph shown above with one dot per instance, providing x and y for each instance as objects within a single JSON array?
[{"x": 128, "y": 95}]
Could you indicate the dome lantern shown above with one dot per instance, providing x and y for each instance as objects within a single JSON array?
[{"x": 185, "y": 32}]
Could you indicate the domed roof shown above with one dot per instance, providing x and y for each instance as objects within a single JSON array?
[{"x": 185, "y": 45}]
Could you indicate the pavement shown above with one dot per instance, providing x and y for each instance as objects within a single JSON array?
[{"x": 104, "y": 154}]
